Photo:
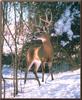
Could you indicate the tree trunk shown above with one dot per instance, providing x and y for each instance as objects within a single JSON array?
[
  {"x": 16, "y": 62},
  {"x": 1, "y": 42}
]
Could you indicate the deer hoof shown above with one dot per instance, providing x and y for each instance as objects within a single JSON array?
[{"x": 42, "y": 80}]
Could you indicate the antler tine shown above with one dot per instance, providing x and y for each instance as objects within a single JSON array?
[
  {"x": 47, "y": 18},
  {"x": 47, "y": 21}
]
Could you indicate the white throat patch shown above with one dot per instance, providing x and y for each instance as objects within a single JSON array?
[{"x": 43, "y": 39}]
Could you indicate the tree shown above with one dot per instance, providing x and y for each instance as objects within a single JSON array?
[{"x": 1, "y": 43}]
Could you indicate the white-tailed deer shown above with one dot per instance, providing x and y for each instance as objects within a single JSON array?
[{"x": 39, "y": 56}]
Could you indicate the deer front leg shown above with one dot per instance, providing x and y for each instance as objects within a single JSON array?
[
  {"x": 43, "y": 71},
  {"x": 25, "y": 76},
  {"x": 52, "y": 76},
  {"x": 50, "y": 70}
]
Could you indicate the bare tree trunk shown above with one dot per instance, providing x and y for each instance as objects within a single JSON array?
[
  {"x": 21, "y": 19},
  {"x": 1, "y": 29},
  {"x": 16, "y": 60}
]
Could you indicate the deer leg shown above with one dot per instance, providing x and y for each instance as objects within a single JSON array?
[
  {"x": 43, "y": 71},
  {"x": 29, "y": 67},
  {"x": 35, "y": 73},
  {"x": 36, "y": 65},
  {"x": 25, "y": 76},
  {"x": 52, "y": 76},
  {"x": 50, "y": 70}
]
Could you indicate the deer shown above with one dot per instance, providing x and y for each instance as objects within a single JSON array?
[{"x": 35, "y": 60}]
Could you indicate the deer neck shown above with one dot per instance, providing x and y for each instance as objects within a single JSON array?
[
  {"x": 47, "y": 42},
  {"x": 48, "y": 48}
]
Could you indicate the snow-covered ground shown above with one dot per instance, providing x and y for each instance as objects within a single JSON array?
[{"x": 64, "y": 85}]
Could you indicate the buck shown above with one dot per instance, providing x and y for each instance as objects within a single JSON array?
[{"x": 35, "y": 59}]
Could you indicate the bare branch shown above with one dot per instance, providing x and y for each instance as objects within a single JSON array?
[
  {"x": 10, "y": 32},
  {"x": 7, "y": 42}
]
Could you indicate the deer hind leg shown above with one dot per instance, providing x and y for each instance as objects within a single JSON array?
[
  {"x": 50, "y": 70},
  {"x": 43, "y": 71}
]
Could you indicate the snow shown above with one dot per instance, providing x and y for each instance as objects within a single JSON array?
[
  {"x": 63, "y": 43},
  {"x": 64, "y": 85},
  {"x": 64, "y": 24}
]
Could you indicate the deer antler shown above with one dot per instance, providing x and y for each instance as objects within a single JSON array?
[{"x": 47, "y": 21}]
